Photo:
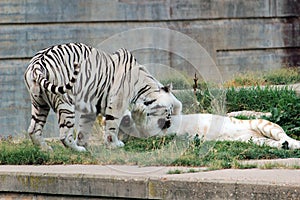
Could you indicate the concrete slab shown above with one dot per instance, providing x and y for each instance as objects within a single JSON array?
[{"x": 121, "y": 181}]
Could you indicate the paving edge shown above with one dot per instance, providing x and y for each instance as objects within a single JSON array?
[{"x": 140, "y": 187}]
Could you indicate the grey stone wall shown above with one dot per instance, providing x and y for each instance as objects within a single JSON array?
[{"x": 237, "y": 35}]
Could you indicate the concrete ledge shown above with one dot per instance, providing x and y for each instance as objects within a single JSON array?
[{"x": 101, "y": 182}]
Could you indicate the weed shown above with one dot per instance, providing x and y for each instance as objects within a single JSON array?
[
  {"x": 176, "y": 171},
  {"x": 192, "y": 171},
  {"x": 272, "y": 77},
  {"x": 142, "y": 151},
  {"x": 189, "y": 101},
  {"x": 277, "y": 166},
  {"x": 181, "y": 171},
  {"x": 282, "y": 76}
]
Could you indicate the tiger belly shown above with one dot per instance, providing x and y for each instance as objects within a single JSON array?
[{"x": 210, "y": 127}]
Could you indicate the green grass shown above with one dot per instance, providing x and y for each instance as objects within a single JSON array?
[
  {"x": 169, "y": 150},
  {"x": 222, "y": 155},
  {"x": 143, "y": 152},
  {"x": 24, "y": 152},
  {"x": 259, "y": 98},
  {"x": 277, "y": 166},
  {"x": 143, "y": 144},
  {"x": 175, "y": 151}
]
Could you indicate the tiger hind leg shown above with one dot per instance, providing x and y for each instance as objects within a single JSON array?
[
  {"x": 39, "y": 113},
  {"x": 66, "y": 120},
  {"x": 276, "y": 133},
  {"x": 270, "y": 142}
]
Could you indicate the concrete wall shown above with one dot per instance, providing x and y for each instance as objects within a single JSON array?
[{"x": 238, "y": 35}]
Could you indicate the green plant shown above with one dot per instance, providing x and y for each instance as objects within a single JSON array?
[
  {"x": 258, "y": 98},
  {"x": 189, "y": 101},
  {"x": 211, "y": 98},
  {"x": 283, "y": 103}
]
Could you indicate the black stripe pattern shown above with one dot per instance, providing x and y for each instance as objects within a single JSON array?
[{"x": 76, "y": 77}]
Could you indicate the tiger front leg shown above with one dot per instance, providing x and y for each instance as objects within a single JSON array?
[
  {"x": 86, "y": 121},
  {"x": 66, "y": 120},
  {"x": 67, "y": 138},
  {"x": 111, "y": 133},
  {"x": 113, "y": 115}
]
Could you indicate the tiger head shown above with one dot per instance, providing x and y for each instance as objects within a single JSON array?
[
  {"x": 161, "y": 101},
  {"x": 137, "y": 122},
  {"x": 151, "y": 116}
]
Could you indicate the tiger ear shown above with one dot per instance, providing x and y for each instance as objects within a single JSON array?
[{"x": 168, "y": 88}]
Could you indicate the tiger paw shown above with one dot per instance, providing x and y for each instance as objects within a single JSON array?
[
  {"x": 294, "y": 144},
  {"x": 285, "y": 145},
  {"x": 70, "y": 143},
  {"x": 80, "y": 149},
  {"x": 119, "y": 143},
  {"x": 115, "y": 145},
  {"x": 113, "y": 142},
  {"x": 46, "y": 148}
]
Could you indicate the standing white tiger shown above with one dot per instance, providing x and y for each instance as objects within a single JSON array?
[{"x": 101, "y": 83}]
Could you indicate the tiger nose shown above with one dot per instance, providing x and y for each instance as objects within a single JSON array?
[
  {"x": 163, "y": 124},
  {"x": 125, "y": 121}
]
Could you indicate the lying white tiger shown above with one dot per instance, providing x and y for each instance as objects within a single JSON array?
[{"x": 210, "y": 127}]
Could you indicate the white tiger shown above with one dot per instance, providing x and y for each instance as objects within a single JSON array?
[
  {"x": 100, "y": 84},
  {"x": 209, "y": 127}
]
